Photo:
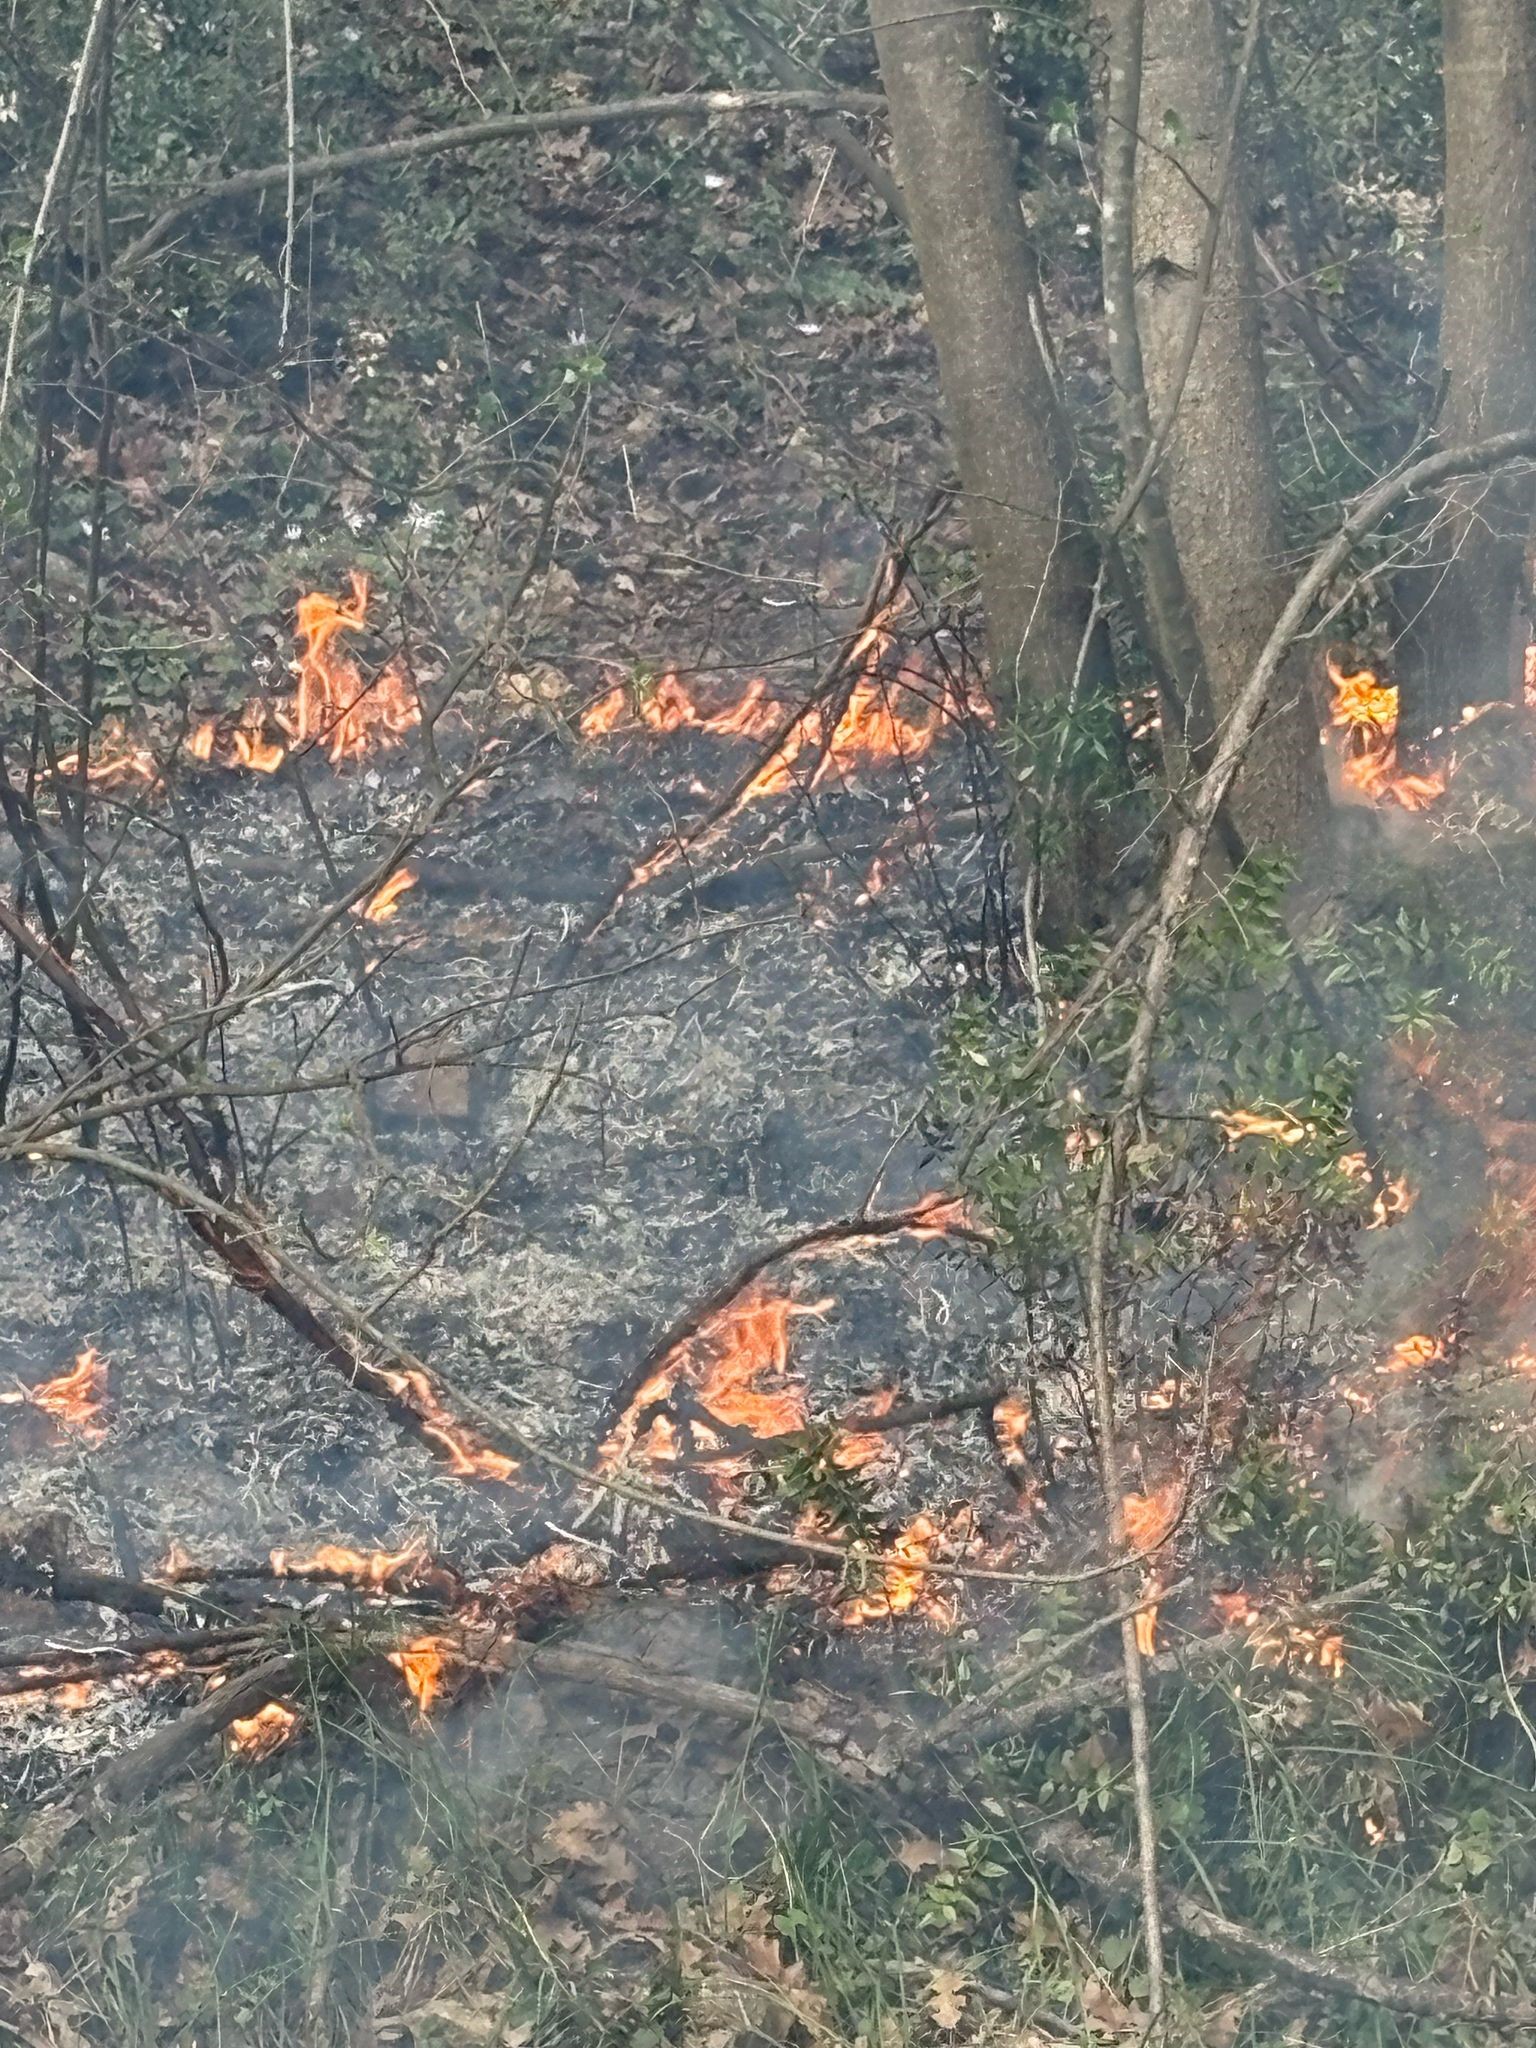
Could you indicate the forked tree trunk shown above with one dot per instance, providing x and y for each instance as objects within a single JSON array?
[
  {"x": 1012, "y": 451},
  {"x": 1463, "y": 643},
  {"x": 1221, "y": 477}
]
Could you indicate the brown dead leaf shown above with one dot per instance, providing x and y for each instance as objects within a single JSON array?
[
  {"x": 919, "y": 1853},
  {"x": 1398, "y": 1723},
  {"x": 946, "y": 1998},
  {"x": 578, "y": 1833},
  {"x": 1223, "y": 2021},
  {"x": 1108, "y": 2012}
]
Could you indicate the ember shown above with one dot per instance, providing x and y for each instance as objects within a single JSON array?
[{"x": 74, "y": 1398}]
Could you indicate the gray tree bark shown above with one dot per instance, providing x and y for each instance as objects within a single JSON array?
[
  {"x": 1221, "y": 477},
  {"x": 1035, "y": 560},
  {"x": 1463, "y": 643}
]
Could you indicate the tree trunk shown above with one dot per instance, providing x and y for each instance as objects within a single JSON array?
[
  {"x": 1221, "y": 476},
  {"x": 1036, "y": 564},
  {"x": 1462, "y": 625}
]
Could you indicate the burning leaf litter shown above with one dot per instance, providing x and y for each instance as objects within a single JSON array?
[{"x": 74, "y": 1398}]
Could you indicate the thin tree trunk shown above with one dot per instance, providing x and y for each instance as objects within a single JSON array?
[
  {"x": 1037, "y": 565},
  {"x": 1461, "y": 625},
  {"x": 1221, "y": 475}
]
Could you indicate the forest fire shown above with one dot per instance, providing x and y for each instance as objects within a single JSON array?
[
  {"x": 74, "y": 1398},
  {"x": 901, "y": 1584},
  {"x": 466, "y": 1458},
  {"x": 254, "y": 1737},
  {"x": 384, "y": 903},
  {"x": 377, "y": 1570},
  {"x": 1364, "y": 711},
  {"x": 1409, "y": 1354},
  {"x": 334, "y": 708},
  {"x": 1150, "y": 1517},
  {"x": 712, "y": 1385},
  {"x": 882, "y": 720},
  {"x": 1011, "y": 1420},
  {"x": 1280, "y": 1126},
  {"x": 421, "y": 1663}
]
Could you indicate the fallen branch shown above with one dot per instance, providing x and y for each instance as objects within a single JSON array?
[
  {"x": 693, "y": 106},
  {"x": 130, "y": 1777},
  {"x": 842, "y": 1230}
]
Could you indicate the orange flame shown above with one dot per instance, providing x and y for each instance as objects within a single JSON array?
[
  {"x": 1305, "y": 1649},
  {"x": 384, "y": 903},
  {"x": 1234, "y": 1610},
  {"x": 1365, "y": 711},
  {"x": 255, "y": 1737},
  {"x": 1010, "y": 1427},
  {"x": 855, "y": 1449},
  {"x": 902, "y": 1586},
  {"x": 1393, "y": 1198},
  {"x": 466, "y": 1458},
  {"x": 1149, "y": 1517},
  {"x": 1409, "y": 1353},
  {"x": 376, "y": 1569},
  {"x": 420, "y": 1663},
  {"x": 116, "y": 761},
  {"x": 1280, "y": 1125},
  {"x": 334, "y": 706},
  {"x": 1144, "y": 1621},
  {"x": 722, "y": 1367},
  {"x": 882, "y": 720},
  {"x": 73, "y": 1398}
]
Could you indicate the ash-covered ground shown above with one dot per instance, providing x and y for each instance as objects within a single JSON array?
[{"x": 743, "y": 1049}]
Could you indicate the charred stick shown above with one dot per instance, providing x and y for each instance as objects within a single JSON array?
[
  {"x": 845, "y": 1229},
  {"x": 66, "y": 1582},
  {"x": 909, "y": 1415},
  {"x": 49, "y": 1668},
  {"x": 130, "y": 1777},
  {"x": 177, "y": 1640}
]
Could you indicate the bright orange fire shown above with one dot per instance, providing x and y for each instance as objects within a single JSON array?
[
  {"x": 1305, "y": 1649},
  {"x": 1280, "y": 1125},
  {"x": 1149, "y": 1517},
  {"x": 883, "y": 720},
  {"x": 1010, "y": 1427},
  {"x": 1365, "y": 712},
  {"x": 466, "y": 1458},
  {"x": 376, "y": 1569},
  {"x": 254, "y": 1737},
  {"x": 74, "y": 1398},
  {"x": 420, "y": 1663},
  {"x": 1408, "y": 1354},
  {"x": 1144, "y": 1621},
  {"x": 1393, "y": 1199},
  {"x": 334, "y": 706},
  {"x": 384, "y": 903},
  {"x": 901, "y": 1586},
  {"x": 723, "y": 1370}
]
